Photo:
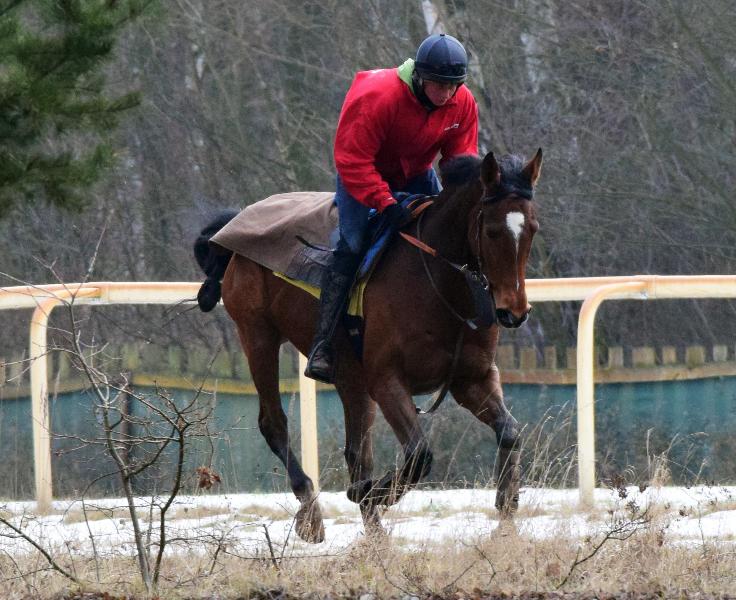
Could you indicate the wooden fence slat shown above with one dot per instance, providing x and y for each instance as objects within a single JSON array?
[
  {"x": 505, "y": 358},
  {"x": 720, "y": 353},
  {"x": 550, "y": 358},
  {"x": 643, "y": 356},
  {"x": 615, "y": 357},
  {"x": 694, "y": 356},
  {"x": 528, "y": 359},
  {"x": 669, "y": 355}
]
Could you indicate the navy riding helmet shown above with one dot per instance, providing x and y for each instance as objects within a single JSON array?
[{"x": 442, "y": 58}]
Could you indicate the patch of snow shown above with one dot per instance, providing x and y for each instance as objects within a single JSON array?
[{"x": 693, "y": 515}]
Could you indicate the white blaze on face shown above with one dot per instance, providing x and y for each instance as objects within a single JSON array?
[{"x": 515, "y": 223}]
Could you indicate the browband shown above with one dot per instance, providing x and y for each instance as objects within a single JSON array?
[{"x": 508, "y": 189}]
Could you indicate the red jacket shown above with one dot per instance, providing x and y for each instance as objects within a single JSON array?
[{"x": 385, "y": 136}]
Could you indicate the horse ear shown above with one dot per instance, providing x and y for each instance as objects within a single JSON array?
[
  {"x": 533, "y": 168},
  {"x": 490, "y": 173}
]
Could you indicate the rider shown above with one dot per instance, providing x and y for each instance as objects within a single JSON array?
[{"x": 393, "y": 124}]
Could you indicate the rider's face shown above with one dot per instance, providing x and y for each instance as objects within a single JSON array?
[{"x": 439, "y": 92}]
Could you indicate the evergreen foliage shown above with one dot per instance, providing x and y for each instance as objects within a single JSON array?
[{"x": 55, "y": 113}]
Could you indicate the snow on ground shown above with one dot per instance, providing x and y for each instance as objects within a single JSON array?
[{"x": 692, "y": 516}]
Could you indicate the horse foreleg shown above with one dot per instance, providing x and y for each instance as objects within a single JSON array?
[
  {"x": 398, "y": 409},
  {"x": 484, "y": 398},
  {"x": 360, "y": 413},
  {"x": 272, "y": 422}
]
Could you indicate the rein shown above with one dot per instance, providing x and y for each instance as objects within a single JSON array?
[
  {"x": 476, "y": 281},
  {"x": 479, "y": 289}
]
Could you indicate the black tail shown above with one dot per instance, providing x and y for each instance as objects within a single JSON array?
[{"x": 212, "y": 262}]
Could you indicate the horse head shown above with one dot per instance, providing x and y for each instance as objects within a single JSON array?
[{"x": 502, "y": 230}]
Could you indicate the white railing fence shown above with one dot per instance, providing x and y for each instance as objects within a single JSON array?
[{"x": 592, "y": 290}]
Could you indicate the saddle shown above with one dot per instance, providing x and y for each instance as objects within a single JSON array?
[
  {"x": 293, "y": 234},
  {"x": 267, "y": 232}
]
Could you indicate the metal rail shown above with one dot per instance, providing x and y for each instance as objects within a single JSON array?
[
  {"x": 641, "y": 287},
  {"x": 593, "y": 290},
  {"x": 44, "y": 298},
  {"x": 39, "y": 390}
]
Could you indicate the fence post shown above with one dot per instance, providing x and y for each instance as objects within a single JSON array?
[
  {"x": 38, "y": 354},
  {"x": 586, "y": 383},
  {"x": 308, "y": 418}
]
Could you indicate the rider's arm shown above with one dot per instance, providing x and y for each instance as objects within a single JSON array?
[{"x": 361, "y": 131}]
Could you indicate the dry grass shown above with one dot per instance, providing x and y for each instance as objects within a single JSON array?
[
  {"x": 95, "y": 514},
  {"x": 274, "y": 513},
  {"x": 508, "y": 564},
  {"x": 247, "y": 513},
  {"x": 717, "y": 505},
  {"x": 651, "y": 562},
  {"x": 198, "y": 512}
]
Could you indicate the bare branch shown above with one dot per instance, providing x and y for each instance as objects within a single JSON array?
[{"x": 50, "y": 559}]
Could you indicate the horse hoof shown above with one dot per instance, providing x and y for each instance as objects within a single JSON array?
[
  {"x": 382, "y": 492},
  {"x": 309, "y": 525},
  {"x": 375, "y": 532},
  {"x": 507, "y": 506},
  {"x": 506, "y": 528},
  {"x": 359, "y": 490}
]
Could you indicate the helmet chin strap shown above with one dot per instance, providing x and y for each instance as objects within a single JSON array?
[{"x": 417, "y": 84}]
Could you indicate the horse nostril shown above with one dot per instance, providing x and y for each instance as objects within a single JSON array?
[
  {"x": 504, "y": 317},
  {"x": 508, "y": 320}
]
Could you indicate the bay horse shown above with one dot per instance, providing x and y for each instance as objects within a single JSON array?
[{"x": 414, "y": 309}]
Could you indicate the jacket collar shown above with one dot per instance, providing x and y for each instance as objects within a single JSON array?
[{"x": 405, "y": 71}]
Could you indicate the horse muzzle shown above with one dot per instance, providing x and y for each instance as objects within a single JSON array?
[{"x": 509, "y": 320}]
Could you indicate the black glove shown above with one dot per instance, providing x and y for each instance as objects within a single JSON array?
[{"x": 397, "y": 216}]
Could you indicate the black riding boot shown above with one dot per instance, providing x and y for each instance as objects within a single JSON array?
[{"x": 336, "y": 284}]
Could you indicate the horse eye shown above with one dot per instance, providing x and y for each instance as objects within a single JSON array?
[{"x": 493, "y": 230}]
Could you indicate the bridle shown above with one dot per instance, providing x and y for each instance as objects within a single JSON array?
[
  {"x": 502, "y": 192},
  {"x": 475, "y": 279}
]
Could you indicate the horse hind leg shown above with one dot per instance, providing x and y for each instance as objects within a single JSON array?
[{"x": 261, "y": 345}]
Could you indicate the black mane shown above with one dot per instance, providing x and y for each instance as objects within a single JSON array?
[
  {"x": 460, "y": 170},
  {"x": 464, "y": 169}
]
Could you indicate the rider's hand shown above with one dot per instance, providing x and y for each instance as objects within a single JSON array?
[{"x": 396, "y": 216}]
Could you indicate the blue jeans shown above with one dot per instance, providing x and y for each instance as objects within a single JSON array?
[{"x": 353, "y": 216}]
